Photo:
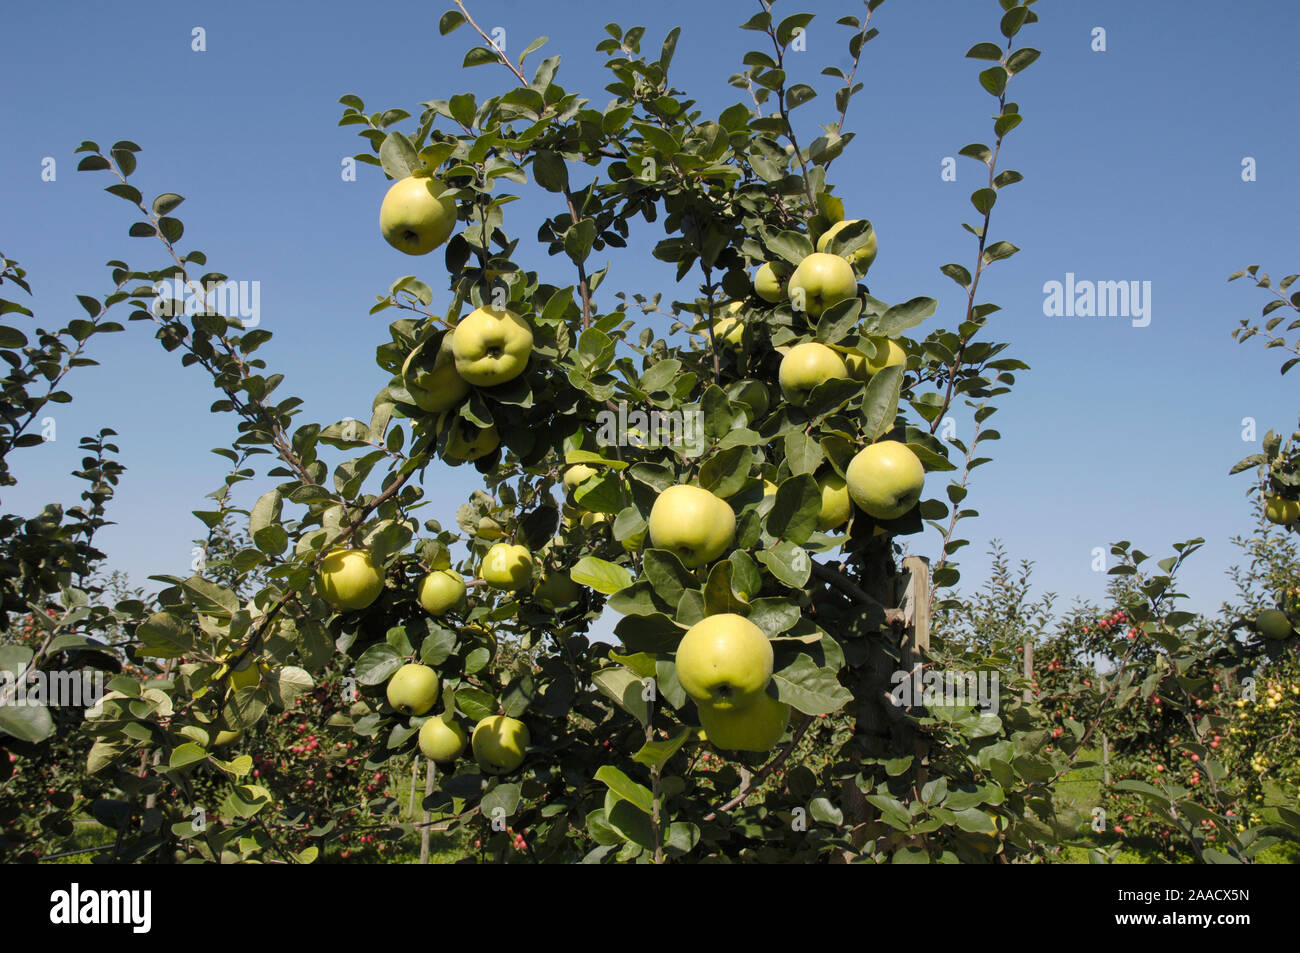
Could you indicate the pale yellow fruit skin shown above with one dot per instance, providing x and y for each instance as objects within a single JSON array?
[
  {"x": 805, "y": 366},
  {"x": 441, "y": 590},
  {"x": 856, "y": 364},
  {"x": 724, "y": 661},
  {"x": 491, "y": 346},
  {"x": 692, "y": 523},
  {"x": 413, "y": 689},
  {"x": 836, "y": 503},
  {"x": 412, "y": 219},
  {"x": 1273, "y": 624},
  {"x": 1282, "y": 511},
  {"x": 863, "y": 256},
  {"x": 885, "y": 479},
  {"x": 895, "y": 356},
  {"x": 756, "y": 728},
  {"x": 507, "y": 566},
  {"x": 348, "y": 580},
  {"x": 557, "y": 588},
  {"x": 862, "y": 369},
  {"x": 500, "y": 743},
  {"x": 461, "y": 448},
  {"x": 438, "y": 387},
  {"x": 578, "y": 474},
  {"x": 441, "y": 742},
  {"x": 825, "y": 280},
  {"x": 728, "y": 330},
  {"x": 768, "y": 285}
]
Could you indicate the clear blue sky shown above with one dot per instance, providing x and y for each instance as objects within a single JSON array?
[{"x": 1132, "y": 160}]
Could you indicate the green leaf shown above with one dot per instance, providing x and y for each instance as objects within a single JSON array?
[
  {"x": 660, "y": 375},
  {"x": 820, "y": 809},
  {"x": 124, "y": 157},
  {"x": 1013, "y": 20},
  {"x": 999, "y": 250},
  {"x": 448, "y": 22},
  {"x": 984, "y": 51},
  {"x": 209, "y": 598},
  {"x": 627, "y": 789},
  {"x": 187, "y": 753},
  {"x": 958, "y": 274},
  {"x": 475, "y": 703},
  {"x": 798, "y": 94},
  {"x": 245, "y": 800},
  {"x": 983, "y": 200},
  {"x": 599, "y": 829},
  {"x": 31, "y": 723},
  {"x": 654, "y": 633},
  {"x": 1149, "y": 791},
  {"x": 719, "y": 595},
  {"x": 716, "y": 409},
  {"x": 166, "y": 203},
  {"x": 1021, "y": 59},
  {"x": 12, "y": 338},
  {"x": 773, "y": 616},
  {"x": 791, "y": 26},
  {"x": 745, "y": 579},
  {"x": 891, "y": 811},
  {"x": 803, "y": 452},
  {"x": 795, "y": 510},
  {"x": 994, "y": 79},
  {"x": 550, "y": 171},
  {"x": 794, "y": 247},
  {"x": 264, "y": 524},
  {"x": 903, "y": 316},
  {"x": 839, "y": 319},
  {"x": 501, "y": 801},
  {"x": 788, "y": 563},
  {"x": 479, "y": 56},
  {"x": 655, "y": 754},
  {"x": 600, "y": 574},
  {"x": 398, "y": 156},
  {"x": 630, "y": 822},
  {"x": 579, "y": 239},
  {"x": 532, "y": 47},
  {"x": 625, "y": 689},
  {"x": 164, "y": 635},
  {"x": 600, "y": 494},
  {"x": 667, "y": 575},
  {"x": 377, "y": 664},
  {"x": 809, "y": 688},
  {"x": 723, "y": 473},
  {"x": 880, "y": 406}
]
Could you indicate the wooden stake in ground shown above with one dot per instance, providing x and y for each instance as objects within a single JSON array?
[{"x": 424, "y": 829}]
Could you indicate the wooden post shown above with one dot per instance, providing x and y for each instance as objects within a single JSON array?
[
  {"x": 915, "y": 604},
  {"x": 1105, "y": 760},
  {"x": 415, "y": 770},
  {"x": 1028, "y": 694},
  {"x": 424, "y": 830}
]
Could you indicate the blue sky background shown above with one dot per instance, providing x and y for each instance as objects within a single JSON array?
[{"x": 1132, "y": 162}]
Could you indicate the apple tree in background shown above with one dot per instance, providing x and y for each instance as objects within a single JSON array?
[{"x": 755, "y": 571}]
